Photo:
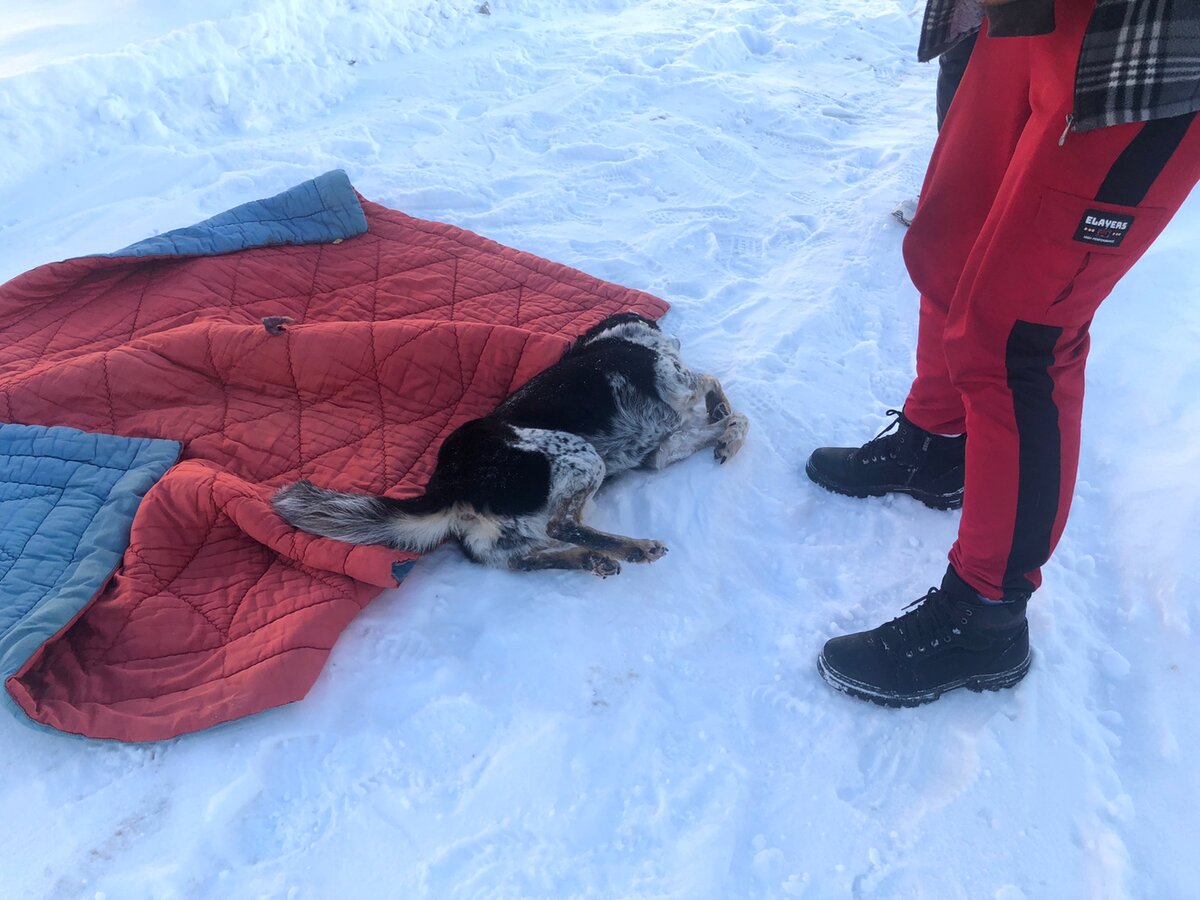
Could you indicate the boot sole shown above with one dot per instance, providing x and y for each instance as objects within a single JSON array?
[
  {"x": 933, "y": 501},
  {"x": 978, "y": 683}
]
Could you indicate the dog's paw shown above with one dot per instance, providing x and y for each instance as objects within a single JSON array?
[
  {"x": 599, "y": 564},
  {"x": 646, "y": 551},
  {"x": 736, "y": 427}
]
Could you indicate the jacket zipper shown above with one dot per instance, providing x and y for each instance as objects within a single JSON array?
[{"x": 1070, "y": 121}]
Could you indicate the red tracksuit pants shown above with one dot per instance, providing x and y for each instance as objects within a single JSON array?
[{"x": 1020, "y": 233}]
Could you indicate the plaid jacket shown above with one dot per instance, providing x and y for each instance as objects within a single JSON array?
[{"x": 1140, "y": 59}]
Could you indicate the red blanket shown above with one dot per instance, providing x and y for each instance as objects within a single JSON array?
[{"x": 219, "y": 609}]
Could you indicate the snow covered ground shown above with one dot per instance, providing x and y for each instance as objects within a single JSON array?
[{"x": 661, "y": 734}]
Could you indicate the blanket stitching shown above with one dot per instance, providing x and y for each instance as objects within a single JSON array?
[
  {"x": 287, "y": 347},
  {"x": 448, "y": 408},
  {"x": 45, "y": 357},
  {"x": 60, "y": 320},
  {"x": 12, "y": 454},
  {"x": 168, "y": 591},
  {"x": 137, "y": 310},
  {"x": 239, "y": 260},
  {"x": 344, "y": 288},
  {"x": 386, "y": 475},
  {"x": 512, "y": 378},
  {"x": 163, "y": 582},
  {"x": 237, "y": 606},
  {"x": 108, "y": 396},
  {"x": 68, "y": 569},
  {"x": 597, "y": 289},
  {"x": 210, "y": 309},
  {"x": 312, "y": 287},
  {"x": 212, "y": 362},
  {"x": 34, "y": 533},
  {"x": 342, "y": 590},
  {"x": 457, "y": 348},
  {"x": 120, "y": 279},
  {"x": 300, "y": 464},
  {"x": 225, "y": 673}
]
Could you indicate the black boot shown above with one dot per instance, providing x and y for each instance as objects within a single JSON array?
[
  {"x": 948, "y": 639},
  {"x": 901, "y": 459}
]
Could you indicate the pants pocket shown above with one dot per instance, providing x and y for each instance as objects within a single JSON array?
[{"x": 1096, "y": 241}]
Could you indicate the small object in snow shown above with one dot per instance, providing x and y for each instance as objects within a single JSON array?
[
  {"x": 905, "y": 210},
  {"x": 484, "y": 9},
  {"x": 274, "y": 324}
]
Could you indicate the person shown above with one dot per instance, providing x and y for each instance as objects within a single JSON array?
[{"x": 1072, "y": 142}]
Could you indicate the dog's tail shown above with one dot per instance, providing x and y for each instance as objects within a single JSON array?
[{"x": 417, "y": 524}]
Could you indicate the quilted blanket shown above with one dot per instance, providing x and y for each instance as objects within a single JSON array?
[{"x": 313, "y": 334}]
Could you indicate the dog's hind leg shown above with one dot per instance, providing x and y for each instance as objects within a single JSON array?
[
  {"x": 576, "y": 473},
  {"x": 572, "y": 531},
  {"x": 570, "y": 558},
  {"x": 565, "y": 526}
]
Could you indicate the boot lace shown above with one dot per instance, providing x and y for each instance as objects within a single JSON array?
[
  {"x": 929, "y": 622},
  {"x": 887, "y": 443}
]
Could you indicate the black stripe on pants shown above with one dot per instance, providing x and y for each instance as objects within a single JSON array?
[
  {"x": 1028, "y": 356},
  {"x": 1134, "y": 171}
]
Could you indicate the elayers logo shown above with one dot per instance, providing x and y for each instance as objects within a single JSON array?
[{"x": 1106, "y": 229}]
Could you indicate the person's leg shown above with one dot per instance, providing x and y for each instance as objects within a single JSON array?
[
  {"x": 1071, "y": 215},
  {"x": 951, "y": 66},
  {"x": 921, "y": 455},
  {"x": 968, "y": 165}
]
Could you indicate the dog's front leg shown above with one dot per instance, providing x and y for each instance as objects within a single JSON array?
[
  {"x": 732, "y": 427},
  {"x": 692, "y": 436},
  {"x": 725, "y": 436},
  {"x": 733, "y": 435},
  {"x": 715, "y": 401}
]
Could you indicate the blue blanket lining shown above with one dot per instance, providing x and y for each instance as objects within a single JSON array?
[
  {"x": 319, "y": 211},
  {"x": 67, "y": 502}
]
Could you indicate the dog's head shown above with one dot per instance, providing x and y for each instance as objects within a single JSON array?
[{"x": 621, "y": 326}]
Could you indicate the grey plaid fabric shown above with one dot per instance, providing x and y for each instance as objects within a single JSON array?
[{"x": 1140, "y": 59}]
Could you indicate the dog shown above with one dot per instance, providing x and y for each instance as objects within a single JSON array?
[{"x": 511, "y": 487}]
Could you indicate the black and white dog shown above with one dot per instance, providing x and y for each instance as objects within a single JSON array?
[{"x": 511, "y": 487}]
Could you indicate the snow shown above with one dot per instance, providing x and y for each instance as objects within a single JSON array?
[{"x": 663, "y": 733}]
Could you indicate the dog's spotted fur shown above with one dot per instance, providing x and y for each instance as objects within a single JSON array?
[{"x": 511, "y": 487}]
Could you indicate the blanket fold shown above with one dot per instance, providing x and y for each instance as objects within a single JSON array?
[{"x": 283, "y": 339}]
